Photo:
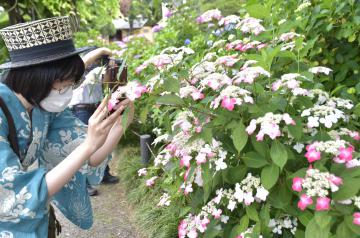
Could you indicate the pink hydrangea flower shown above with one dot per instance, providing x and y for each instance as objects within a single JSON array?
[
  {"x": 182, "y": 229},
  {"x": 304, "y": 202},
  {"x": 185, "y": 161},
  {"x": 297, "y": 184},
  {"x": 228, "y": 103},
  {"x": 188, "y": 189},
  {"x": 150, "y": 182},
  {"x": 200, "y": 158},
  {"x": 356, "y": 220},
  {"x": 355, "y": 135},
  {"x": 142, "y": 172},
  {"x": 216, "y": 213},
  {"x": 252, "y": 127},
  {"x": 345, "y": 154},
  {"x": 322, "y": 204},
  {"x": 313, "y": 155}
]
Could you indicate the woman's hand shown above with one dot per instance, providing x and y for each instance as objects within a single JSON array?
[
  {"x": 100, "y": 124},
  {"x": 130, "y": 115},
  {"x": 93, "y": 55},
  {"x": 115, "y": 133}
]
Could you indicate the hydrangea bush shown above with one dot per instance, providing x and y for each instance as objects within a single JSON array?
[{"x": 251, "y": 143}]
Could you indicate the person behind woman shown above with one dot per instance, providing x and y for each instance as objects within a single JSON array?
[
  {"x": 88, "y": 96},
  {"x": 37, "y": 88}
]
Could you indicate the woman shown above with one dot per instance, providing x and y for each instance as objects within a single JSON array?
[{"x": 43, "y": 70}]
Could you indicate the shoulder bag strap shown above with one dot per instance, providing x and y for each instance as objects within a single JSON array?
[{"x": 12, "y": 137}]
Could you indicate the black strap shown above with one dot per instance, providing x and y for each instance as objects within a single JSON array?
[{"x": 12, "y": 137}]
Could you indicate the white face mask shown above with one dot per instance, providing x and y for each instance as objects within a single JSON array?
[{"x": 57, "y": 102}]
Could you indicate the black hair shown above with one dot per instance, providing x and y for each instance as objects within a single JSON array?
[{"x": 35, "y": 82}]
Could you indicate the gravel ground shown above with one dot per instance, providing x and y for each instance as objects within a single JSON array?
[{"x": 112, "y": 215}]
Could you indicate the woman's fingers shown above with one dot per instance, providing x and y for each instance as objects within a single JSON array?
[
  {"x": 101, "y": 107},
  {"x": 112, "y": 118}
]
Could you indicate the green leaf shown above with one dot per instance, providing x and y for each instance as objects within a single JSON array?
[
  {"x": 239, "y": 136},
  {"x": 206, "y": 134},
  {"x": 278, "y": 154},
  {"x": 254, "y": 160},
  {"x": 322, "y": 219},
  {"x": 125, "y": 118},
  {"x": 143, "y": 114},
  {"x": 211, "y": 230},
  {"x": 252, "y": 213},
  {"x": 349, "y": 223},
  {"x": 313, "y": 230},
  {"x": 296, "y": 130},
  {"x": 260, "y": 147},
  {"x": 234, "y": 175},
  {"x": 172, "y": 85},
  {"x": 305, "y": 217},
  {"x": 258, "y": 11},
  {"x": 348, "y": 189},
  {"x": 344, "y": 231},
  {"x": 269, "y": 176},
  {"x": 356, "y": 110},
  {"x": 205, "y": 170},
  {"x": 244, "y": 224},
  {"x": 170, "y": 99}
]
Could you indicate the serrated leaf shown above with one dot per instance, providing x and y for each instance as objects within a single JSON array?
[
  {"x": 244, "y": 224},
  {"x": 239, "y": 136},
  {"x": 322, "y": 219},
  {"x": 296, "y": 130},
  {"x": 278, "y": 154},
  {"x": 254, "y": 160},
  {"x": 170, "y": 99},
  {"x": 348, "y": 189},
  {"x": 269, "y": 176},
  {"x": 252, "y": 213}
]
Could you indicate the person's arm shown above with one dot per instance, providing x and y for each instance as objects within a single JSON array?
[
  {"x": 93, "y": 55},
  {"x": 97, "y": 133}
]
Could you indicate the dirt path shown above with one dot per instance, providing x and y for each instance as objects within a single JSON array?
[{"x": 111, "y": 215}]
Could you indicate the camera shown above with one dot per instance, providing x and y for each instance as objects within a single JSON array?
[
  {"x": 115, "y": 74},
  {"x": 112, "y": 74}
]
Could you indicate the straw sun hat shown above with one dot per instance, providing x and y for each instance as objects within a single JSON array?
[{"x": 39, "y": 42}]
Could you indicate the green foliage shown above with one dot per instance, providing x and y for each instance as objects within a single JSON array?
[
  {"x": 228, "y": 7},
  {"x": 152, "y": 221}
]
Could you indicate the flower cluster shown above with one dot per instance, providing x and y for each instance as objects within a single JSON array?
[
  {"x": 164, "y": 200},
  {"x": 216, "y": 81},
  {"x": 231, "y": 19},
  {"x": 320, "y": 69},
  {"x": 228, "y": 60},
  {"x": 192, "y": 91},
  {"x": 269, "y": 125},
  {"x": 289, "y": 82},
  {"x": 250, "y": 25},
  {"x": 340, "y": 149},
  {"x": 166, "y": 60},
  {"x": 336, "y": 135},
  {"x": 289, "y": 36},
  {"x": 248, "y": 191},
  {"x": 278, "y": 225},
  {"x": 231, "y": 96},
  {"x": 323, "y": 114},
  {"x": 188, "y": 122},
  {"x": 316, "y": 184},
  {"x": 142, "y": 172},
  {"x": 131, "y": 90},
  {"x": 201, "y": 70},
  {"x": 248, "y": 233},
  {"x": 249, "y": 74},
  {"x": 209, "y": 16},
  {"x": 244, "y": 45}
]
